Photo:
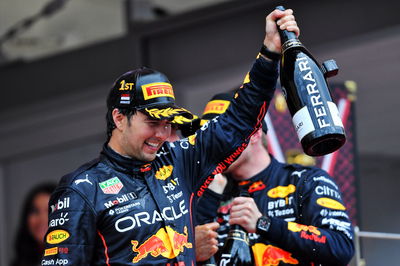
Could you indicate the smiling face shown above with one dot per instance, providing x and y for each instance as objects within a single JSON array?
[{"x": 139, "y": 138}]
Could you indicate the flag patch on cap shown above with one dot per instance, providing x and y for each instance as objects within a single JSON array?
[{"x": 125, "y": 99}]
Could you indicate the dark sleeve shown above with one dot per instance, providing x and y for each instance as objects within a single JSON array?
[
  {"x": 207, "y": 207},
  {"x": 70, "y": 238},
  {"x": 219, "y": 143},
  {"x": 324, "y": 233}
]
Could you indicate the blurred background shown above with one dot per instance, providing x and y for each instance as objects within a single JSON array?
[{"x": 58, "y": 59}]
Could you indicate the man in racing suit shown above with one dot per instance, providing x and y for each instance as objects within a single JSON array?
[
  {"x": 295, "y": 215},
  {"x": 133, "y": 204}
]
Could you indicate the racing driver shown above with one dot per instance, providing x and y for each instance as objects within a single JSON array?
[{"x": 133, "y": 204}]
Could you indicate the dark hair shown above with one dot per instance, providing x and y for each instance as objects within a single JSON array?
[
  {"x": 27, "y": 250},
  {"x": 110, "y": 120}
]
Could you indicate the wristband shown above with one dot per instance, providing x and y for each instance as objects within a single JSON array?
[{"x": 269, "y": 54}]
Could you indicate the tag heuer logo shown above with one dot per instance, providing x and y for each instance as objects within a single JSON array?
[{"x": 111, "y": 186}]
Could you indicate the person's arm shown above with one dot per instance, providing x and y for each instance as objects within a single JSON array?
[
  {"x": 220, "y": 141},
  {"x": 208, "y": 204},
  {"x": 72, "y": 230}
]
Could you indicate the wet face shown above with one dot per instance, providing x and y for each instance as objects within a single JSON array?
[
  {"x": 142, "y": 136},
  {"x": 38, "y": 216}
]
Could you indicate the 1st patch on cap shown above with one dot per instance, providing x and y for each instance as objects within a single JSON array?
[{"x": 126, "y": 86}]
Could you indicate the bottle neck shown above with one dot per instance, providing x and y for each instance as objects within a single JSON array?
[
  {"x": 237, "y": 232},
  {"x": 289, "y": 40},
  {"x": 287, "y": 35}
]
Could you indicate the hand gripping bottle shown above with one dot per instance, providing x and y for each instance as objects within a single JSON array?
[
  {"x": 237, "y": 250},
  {"x": 315, "y": 116}
]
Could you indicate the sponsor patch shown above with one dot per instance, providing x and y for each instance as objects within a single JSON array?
[
  {"x": 331, "y": 204},
  {"x": 281, "y": 191},
  {"x": 216, "y": 107},
  {"x": 295, "y": 227},
  {"x": 50, "y": 251},
  {"x": 157, "y": 89},
  {"x": 256, "y": 186},
  {"x": 111, "y": 186},
  {"x": 164, "y": 172},
  {"x": 61, "y": 204},
  {"x": 271, "y": 255},
  {"x": 83, "y": 180},
  {"x": 121, "y": 199},
  {"x": 59, "y": 221},
  {"x": 166, "y": 243},
  {"x": 327, "y": 191},
  {"x": 57, "y": 236}
]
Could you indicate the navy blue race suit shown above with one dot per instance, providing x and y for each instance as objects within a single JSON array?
[
  {"x": 119, "y": 211},
  {"x": 309, "y": 224}
]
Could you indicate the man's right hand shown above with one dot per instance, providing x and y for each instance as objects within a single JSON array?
[
  {"x": 285, "y": 21},
  {"x": 206, "y": 240}
]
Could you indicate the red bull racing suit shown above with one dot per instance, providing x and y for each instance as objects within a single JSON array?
[
  {"x": 119, "y": 211},
  {"x": 309, "y": 223}
]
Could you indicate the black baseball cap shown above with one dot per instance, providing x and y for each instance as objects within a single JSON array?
[
  {"x": 150, "y": 92},
  {"x": 218, "y": 104}
]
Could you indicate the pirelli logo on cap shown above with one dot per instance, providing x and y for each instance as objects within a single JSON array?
[
  {"x": 216, "y": 107},
  {"x": 157, "y": 89}
]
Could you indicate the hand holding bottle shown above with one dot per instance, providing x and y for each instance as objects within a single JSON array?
[
  {"x": 285, "y": 20},
  {"x": 245, "y": 213},
  {"x": 206, "y": 240}
]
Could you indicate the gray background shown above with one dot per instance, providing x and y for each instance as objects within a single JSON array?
[{"x": 52, "y": 110}]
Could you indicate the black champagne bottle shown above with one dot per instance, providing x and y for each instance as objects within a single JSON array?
[
  {"x": 315, "y": 116},
  {"x": 237, "y": 250}
]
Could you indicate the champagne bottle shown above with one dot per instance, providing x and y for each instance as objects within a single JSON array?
[
  {"x": 237, "y": 250},
  {"x": 315, "y": 116}
]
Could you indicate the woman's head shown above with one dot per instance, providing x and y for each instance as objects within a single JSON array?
[
  {"x": 34, "y": 222},
  {"x": 37, "y": 218},
  {"x": 35, "y": 211},
  {"x": 33, "y": 225}
]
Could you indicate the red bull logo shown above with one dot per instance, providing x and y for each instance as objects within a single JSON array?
[
  {"x": 256, "y": 186},
  {"x": 295, "y": 227},
  {"x": 268, "y": 255},
  {"x": 164, "y": 172},
  {"x": 304, "y": 229},
  {"x": 166, "y": 242}
]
